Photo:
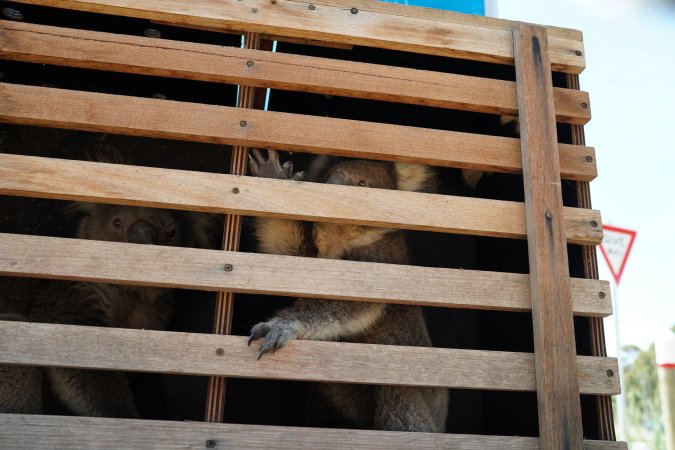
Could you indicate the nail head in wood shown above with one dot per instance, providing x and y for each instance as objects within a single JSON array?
[
  {"x": 312, "y": 7},
  {"x": 254, "y": 10},
  {"x": 249, "y": 63},
  {"x": 242, "y": 123},
  {"x": 610, "y": 373},
  {"x": 584, "y": 105},
  {"x": 152, "y": 33},
  {"x": 578, "y": 53},
  {"x": 228, "y": 267},
  {"x": 235, "y": 190},
  {"x": 549, "y": 215},
  {"x": 354, "y": 10},
  {"x": 594, "y": 223},
  {"x": 220, "y": 352},
  {"x": 589, "y": 159},
  {"x": 602, "y": 294},
  {"x": 211, "y": 443}
]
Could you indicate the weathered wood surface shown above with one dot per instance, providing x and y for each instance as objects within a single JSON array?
[
  {"x": 339, "y": 23},
  {"x": 554, "y": 341},
  {"x": 248, "y": 97},
  {"x": 73, "y": 259},
  {"x": 605, "y": 415},
  {"x": 199, "y": 191},
  {"x": 48, "y": 432},
  {"x": 200, "y": 354},
  {"x": 106, "y": 51},
  {"x": 30, "y": 105}
]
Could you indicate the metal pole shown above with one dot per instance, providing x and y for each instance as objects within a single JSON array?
[{"x": 621, "y": 399}]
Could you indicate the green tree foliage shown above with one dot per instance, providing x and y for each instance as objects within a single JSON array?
[{"x": 643, "y": 405}]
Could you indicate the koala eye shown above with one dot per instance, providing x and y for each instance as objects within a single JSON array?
[
  {"x": 361, "y": 183},
  {"x": 117, "y": 222}
]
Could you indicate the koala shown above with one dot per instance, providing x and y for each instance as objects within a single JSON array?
[
  {"x": 376, "y": 407},
  {"x": 20, "y": 386},
  {"x": 92, "y": 392}
]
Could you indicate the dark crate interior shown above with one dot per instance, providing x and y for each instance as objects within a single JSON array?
[{"x": 282, "y": 402}]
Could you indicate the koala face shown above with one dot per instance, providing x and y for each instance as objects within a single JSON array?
[
  {"x": 372, "y": 174},
  {"x": 129, "y": 224}
]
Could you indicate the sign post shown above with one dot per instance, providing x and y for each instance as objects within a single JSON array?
[{"x": 615, "y": 247}]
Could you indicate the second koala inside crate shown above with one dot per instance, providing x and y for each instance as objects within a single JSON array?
[{"x": 396, "y": 87}]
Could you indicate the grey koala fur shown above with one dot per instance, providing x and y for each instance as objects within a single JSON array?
[
  {"x": 379, "y": 407},
  {"x": 92, "y": 392}
]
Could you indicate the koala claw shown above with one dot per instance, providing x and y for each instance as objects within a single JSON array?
[
  {"x": 269, "y": 167},
  {"x": 275, "y": 336}
]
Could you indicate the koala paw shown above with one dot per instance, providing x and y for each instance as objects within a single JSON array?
[
  {"x": 271, "y": 168},
  {"x": 275, "y": 334}
]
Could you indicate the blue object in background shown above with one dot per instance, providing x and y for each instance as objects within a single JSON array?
[{"x": 463, "y": 6}]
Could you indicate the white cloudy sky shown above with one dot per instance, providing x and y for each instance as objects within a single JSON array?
[{"x": 630, "y": 74}]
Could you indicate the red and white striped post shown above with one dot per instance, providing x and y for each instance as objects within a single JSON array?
[{"x": 665, "y": 361}]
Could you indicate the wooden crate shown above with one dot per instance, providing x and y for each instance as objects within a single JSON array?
[{"x": 553, "y": 370}]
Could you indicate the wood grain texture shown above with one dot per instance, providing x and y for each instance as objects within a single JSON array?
[
  {"x": 223, "y": 125},
  {"x": 325, "y": 22},
  {"x": 590, "y": 262},
  {"x": 197, "y": 354},
  {"x": 73, "y": 259},
  {"x": 248, "y": 97},
  {"x": 106, "y": 51},
  {"x": 48, "y": 432},
  {"x": 554, "y": 342},
  {"x": 199, "y": 191}
]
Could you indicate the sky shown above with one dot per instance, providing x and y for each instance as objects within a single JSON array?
[{"x": 630, "y": 75}]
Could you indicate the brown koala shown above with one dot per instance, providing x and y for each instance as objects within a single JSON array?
[
  {"x": 378, "y": 407},
  {"x": 91, "y": 392}
]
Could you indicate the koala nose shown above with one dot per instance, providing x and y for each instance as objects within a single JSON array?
[
  {"x": 337, "y": 178},
  {"x": 141, "y": 232}
]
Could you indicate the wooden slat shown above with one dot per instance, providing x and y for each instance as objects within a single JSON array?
[
  {"x": 590, "y": 262},
  {"x": 197, "y": 354},
  {"x": 30, "y": 105},
  {"x": 177, "y": 189},
  {"x": 48, "y": 432},
  {"x": 554, "y": 342},
  {"x": 105, "y": 51},
  {"x": 337, "y": 23},
  {"x": 443, "y": 15},
  {"x": 73, "y": 259},
  {"x": 248, "y": 97}
]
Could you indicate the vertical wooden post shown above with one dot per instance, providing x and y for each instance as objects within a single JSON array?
[
  {"x": 555, "y": 350},
  {"x": 249, "y": 97},
  {"x": 597, "y": 329}
]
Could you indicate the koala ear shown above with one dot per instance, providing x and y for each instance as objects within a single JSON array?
[
  {"x": 201, "y": 229},
  {"x": 106, "y": 154},
  {"x": 319, "y": 167},
  {"x": 75, "y": 209},
  {"x": 415, "y": 177}
]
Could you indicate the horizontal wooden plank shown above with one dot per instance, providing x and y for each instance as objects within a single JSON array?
[
  {"x": 177, "y": 189},
  {"x": 460, "y": 39},
  {"x": 60, "y": 108},
  {"x": 48, "y": 432},
  {"x": 106, "y": 51},
  {"x": 73, "y": 259},
  {"x": 443, "y": 15},
  {"x": 198, "y": 354}
]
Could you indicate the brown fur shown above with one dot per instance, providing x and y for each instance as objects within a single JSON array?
[
  {"x": 91, "y": 392},
  {"x": 379, "y": 407}
]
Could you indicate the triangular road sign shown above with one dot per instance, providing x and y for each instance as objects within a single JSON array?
[{"x": 615, "y": 247}]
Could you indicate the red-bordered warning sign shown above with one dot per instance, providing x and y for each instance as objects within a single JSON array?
[{"x": 615, "y": 247}]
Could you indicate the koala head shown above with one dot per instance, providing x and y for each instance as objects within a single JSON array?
[
  {"x": 127, "y": 224},
  {"x": 374, "y": 174}
]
